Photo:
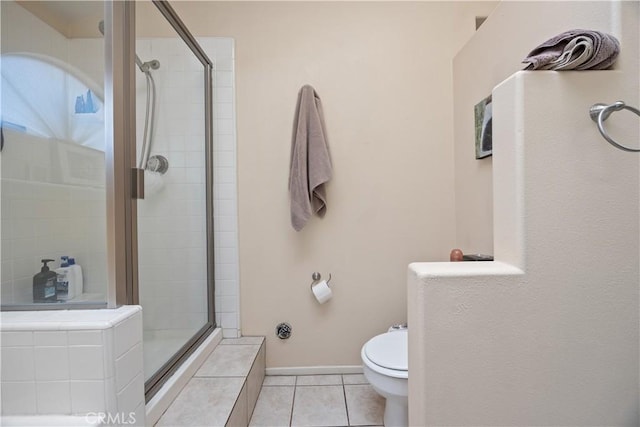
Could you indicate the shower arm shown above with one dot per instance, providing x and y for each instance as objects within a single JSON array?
[{"x": 140, "y": 64}]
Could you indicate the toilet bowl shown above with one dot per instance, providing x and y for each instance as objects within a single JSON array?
[{"x": 385, "y": 365}]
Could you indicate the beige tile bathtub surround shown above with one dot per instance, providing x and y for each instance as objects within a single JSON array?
[
  {"x": 224, "y": 390},
  {"x": 161, "y": 401},
  {"x": 239, "y": 416},
  {"x": 204, "y": 401},
  {"x": 243, "y": 341},
  {"x": 255, "y": 380},
  {"x": 229, "y": 361},
  {"x": 383, "y": 71}
]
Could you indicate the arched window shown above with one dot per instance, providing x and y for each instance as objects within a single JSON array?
[{"x": 49, "y": 98}]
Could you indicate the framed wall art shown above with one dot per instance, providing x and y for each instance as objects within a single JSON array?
[{"x": 483, "y": 120}]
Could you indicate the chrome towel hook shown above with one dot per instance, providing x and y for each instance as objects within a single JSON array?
[{"x": 601, "y": 112}]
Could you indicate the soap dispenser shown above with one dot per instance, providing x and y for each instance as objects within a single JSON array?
[{"x": 44, "y": 284}]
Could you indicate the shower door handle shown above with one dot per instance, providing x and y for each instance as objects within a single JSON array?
[{"x": 137, "y": 183}]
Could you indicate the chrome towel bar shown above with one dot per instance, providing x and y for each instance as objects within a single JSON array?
[{"x": 600, "y": 112}]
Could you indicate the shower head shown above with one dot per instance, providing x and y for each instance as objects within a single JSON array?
[{"x": 143, "y": 66}]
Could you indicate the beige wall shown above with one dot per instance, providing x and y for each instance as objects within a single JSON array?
[
  {"x": 494, "y": 53},
  {"x": 383, "y": 71},
  {"x": 549, "y": 333}
]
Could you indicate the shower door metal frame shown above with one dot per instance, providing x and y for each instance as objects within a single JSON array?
[
  {"x": 120, "y": 129},
  {"x": 155, "y": 382},
  {"x": 120, "y": 151},
  {"x": 120, "y": 163}
]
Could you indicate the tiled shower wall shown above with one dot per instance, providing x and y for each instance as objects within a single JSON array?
[
  {"x": 172, "y": 257},
  {"x": 225, "y": 190},
  {"x": 171, "y": 222},
  {"x": 46, "y": 213}
]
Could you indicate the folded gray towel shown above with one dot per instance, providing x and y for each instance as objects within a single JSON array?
[
  {"x": 575, "y": 50},
  {"x": 310, "y": 166}
]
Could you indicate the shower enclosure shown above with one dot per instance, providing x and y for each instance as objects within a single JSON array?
[
  {"x": 173, "y": 239},
  {"x": 130, "y": 200}
]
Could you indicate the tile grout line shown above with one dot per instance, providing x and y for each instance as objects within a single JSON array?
[
  {"x": 344, "y": 394},
  {"x": 293, "y": 401},
  {"x": 295, "y": 386},
  {"x": 313, "y": 385}
]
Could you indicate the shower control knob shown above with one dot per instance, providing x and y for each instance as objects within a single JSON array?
[
  {"x": 283, "y": 330},
  {"x": 158, "y": 164}
]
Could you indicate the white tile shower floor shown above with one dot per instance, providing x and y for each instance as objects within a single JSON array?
[{"x": 317, "y": 400}]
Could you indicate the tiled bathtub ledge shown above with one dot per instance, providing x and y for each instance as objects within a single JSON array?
[
  {"x": 65, "y": 320},
  {"x": 70, "y": 363},
  {"x": 224, "y": 391}
]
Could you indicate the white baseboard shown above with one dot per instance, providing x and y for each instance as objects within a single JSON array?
[
  {"x": 174, "y": 385},
  {"x": 315, "y": 370}
]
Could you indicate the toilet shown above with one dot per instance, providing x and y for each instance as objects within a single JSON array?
[{"x": 385, "y": 365}]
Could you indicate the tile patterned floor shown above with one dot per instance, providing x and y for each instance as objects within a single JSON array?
[
  {"x": 317, "y": 400},
  {"x": 210, "y": 398}
]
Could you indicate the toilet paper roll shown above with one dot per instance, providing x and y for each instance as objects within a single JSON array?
[{"x": 322, "y": 291}]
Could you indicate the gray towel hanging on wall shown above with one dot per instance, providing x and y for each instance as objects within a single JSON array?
[{"x": 310, "y": 166}]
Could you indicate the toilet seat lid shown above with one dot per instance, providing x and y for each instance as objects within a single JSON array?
[{"x": 389, "y": 350}]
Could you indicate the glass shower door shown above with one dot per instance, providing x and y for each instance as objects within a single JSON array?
[
  {"x": 173, "y": 143},
  {"x": 52, "y": 156}
]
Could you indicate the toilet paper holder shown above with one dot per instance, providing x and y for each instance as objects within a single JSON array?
[{"x": 317, "y": 277}]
